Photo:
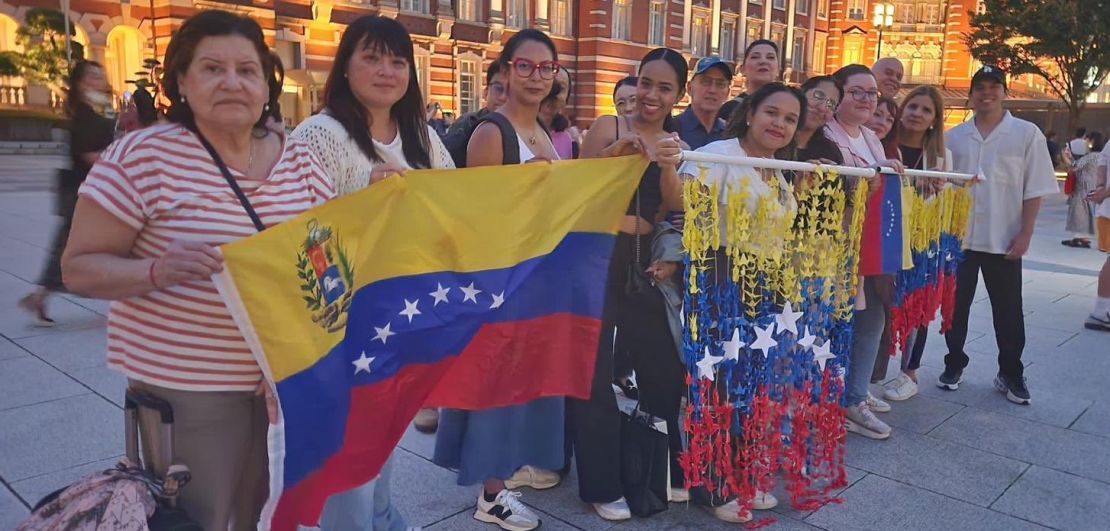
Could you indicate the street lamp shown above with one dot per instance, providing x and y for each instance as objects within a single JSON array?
[{"x": 884, "y": 19}]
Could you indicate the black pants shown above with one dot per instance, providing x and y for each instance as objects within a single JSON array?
[
  {"x": 1003, "y": 280},
  {"x": 51, "y": 277}
]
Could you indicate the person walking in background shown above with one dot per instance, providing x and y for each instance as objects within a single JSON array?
[
  {"x": 1081, "y": 212},
  {"x": 1100, "y": 196},
  {"x": 458, "y": 135},
  {"x": 372, "y": 127},
  {"x": 146, "y": 227},
  {"x": 90, "y": 133},
  {"x": 1011, "y": 158},
  {"x": 1054, "y": 151},
  {"x": 760, "y": 67},
  {"x": 699, "y": 124},
  {"x": 624, "y": 96},
  {"x": 1077, "y": 147},
  {"x": 888, "y": 73}
]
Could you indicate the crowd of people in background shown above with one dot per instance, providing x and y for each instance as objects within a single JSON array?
[{"x": 143, "y": 216}]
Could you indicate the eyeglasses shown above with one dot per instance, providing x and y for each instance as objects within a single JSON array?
[
  {"x": 717, "y": 83},
  {"x": 861, "y": 95},
  {"x": 524, "y": 68},
  {"x": 820, "y": 99}
]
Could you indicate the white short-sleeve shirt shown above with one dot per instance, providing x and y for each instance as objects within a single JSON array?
[
  {"x": 1014, "y": 164},
  {"x": 1103, "y": 210}
]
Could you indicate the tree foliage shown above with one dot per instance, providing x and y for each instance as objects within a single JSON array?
[
  {"x": 9, "y": 64},
  {"x": 43, "y": 40},
  {"x": 1065, "y": 42}
]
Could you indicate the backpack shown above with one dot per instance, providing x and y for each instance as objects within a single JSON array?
[{"x": 510, "y": 149}]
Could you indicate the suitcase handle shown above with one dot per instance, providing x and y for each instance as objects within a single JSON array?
[{"x": 133, "y": 400}]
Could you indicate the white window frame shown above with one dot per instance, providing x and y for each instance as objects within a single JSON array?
[
  {"x": 415, "y": 6},
  {"x": 798, "y": 57},
  {"x": 823, "y": 9},
  {"x": 622, "y": 20},
  {"x": 516, "y": 14},
  {"x": 857, "y": 9},
  {"x": 657, "y": 36},
  {"x": 820, "y": 51},
  {"x": 801, "y": 7},
  {"x": 423, "y": 67},
  {"x": 756, "y": 24},
  {"x": 728, "y": 36},
  {"x": 469, "y": 10},
  {"x": 699, "y": 45},
  {"x": 561, "y": 22},
  {"x": 778, "y": 4},
  {"x": 473, "y": 63}
]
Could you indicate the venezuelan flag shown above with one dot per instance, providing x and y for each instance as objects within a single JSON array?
[
  {"x": 470, "y": 289},
  {"x": 881, "y": 244}
]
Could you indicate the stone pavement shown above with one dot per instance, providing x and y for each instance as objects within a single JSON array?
[{"x": 967, "y": 459}]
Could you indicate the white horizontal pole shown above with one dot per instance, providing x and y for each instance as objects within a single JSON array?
[{"x": 776, "y": 164}]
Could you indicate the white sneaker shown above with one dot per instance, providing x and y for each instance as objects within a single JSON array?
[
  {"x": 862, "y": 421},
  {"x": 764, "y": 501},
  {"x": 901, "y": 388},
  {"x": 876, "y": 405},
  {"x": 679, "y": 495},
  {"x": 532, "y": 477},
  {"x": 614, "y": 510},
  {"x": 1098, "y": 321},
  {"x": 506, "y": 511},
  {"x": 730, "y": 512}
]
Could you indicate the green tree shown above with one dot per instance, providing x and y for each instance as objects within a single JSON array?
[
  {"x": 43, "y": 40},
  {"x": 9, "y": 64},
  {"x": 1065, "y": 42}
]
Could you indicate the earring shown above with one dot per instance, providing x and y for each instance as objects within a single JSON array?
[
  {"x": 266, "y": 108},
  {"x": 183, "y": 98}
]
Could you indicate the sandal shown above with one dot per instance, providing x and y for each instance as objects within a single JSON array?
[{"x": 35, "y": 304}]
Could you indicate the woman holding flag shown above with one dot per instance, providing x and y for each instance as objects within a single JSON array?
[
  {"x": 862, "y": 148},
  {"x": 372, "y": 127}
]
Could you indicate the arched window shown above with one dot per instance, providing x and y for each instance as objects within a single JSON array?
[{"x": 123, "y": 57}]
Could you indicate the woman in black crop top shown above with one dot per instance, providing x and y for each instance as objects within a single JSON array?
[{"x": 642, "y": 321}]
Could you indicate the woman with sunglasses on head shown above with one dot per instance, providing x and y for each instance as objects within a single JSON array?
[
  {"x": 517, "y": 446},
  {"x": 372, "y": 126},
  {"x": 862, "y": 148},
  {"x": 643, "y": 326},
  {"x": 760, "y": 67}
]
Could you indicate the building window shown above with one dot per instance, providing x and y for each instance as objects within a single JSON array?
[
  {"x": 560, "y": 17},
  {"x": 699, "y": 36},
  {"x": 779, "y": 4},
  {"x": 416, "y": 6},
  {"x": 857, "y": 9},
  {"x": 798, "y": 59},
  {"x": 755, "y": 32},
  {"x": 469, "y": 91},
  {"x": 469, "y": 10},
  {"x": 778, "y": 35},
  {"x": 424, "y": 73},
  {"x": 980, "y": 7},
  {"x": 930, "y": 14},
  {"x": 853, "y": 49},
  {"x": 728, "y": 39},
  {"x": 903, "y": 13},
  {"x": 820, "y": 47},
  {"x": 657, "y": 24},
  {"x": 622, "y": 19},
  {"x": 822, "y": 8},
  {"x": 801, "y": 7},
  {"x": 516, "y": 13}
]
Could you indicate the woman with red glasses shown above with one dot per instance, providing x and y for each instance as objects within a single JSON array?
[{"x": 517, "y": 446}]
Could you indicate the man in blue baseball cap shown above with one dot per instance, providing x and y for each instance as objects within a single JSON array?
[{"x": 709, "y": 89}]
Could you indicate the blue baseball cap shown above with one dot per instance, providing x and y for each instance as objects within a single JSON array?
[{"x": 705, "y": 63}]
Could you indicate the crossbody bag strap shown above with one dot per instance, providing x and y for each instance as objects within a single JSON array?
[{"x": 231, "y": 181}]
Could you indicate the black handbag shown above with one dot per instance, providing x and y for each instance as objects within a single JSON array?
[
  {"x": 644, "y": 463},
  {"x": 639, "y": 286}
]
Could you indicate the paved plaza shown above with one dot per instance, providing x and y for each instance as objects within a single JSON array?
[{"x": 958, "y": 460}]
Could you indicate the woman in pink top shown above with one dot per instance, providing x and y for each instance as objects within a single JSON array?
[{"x": 148, "y": 221}]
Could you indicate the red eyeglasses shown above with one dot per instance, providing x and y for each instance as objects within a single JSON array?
[{"x": 524, "y": 68}]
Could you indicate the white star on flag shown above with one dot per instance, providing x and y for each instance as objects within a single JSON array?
[
  {"x": 440, "y": 294},
  {"x": 732, "y": 346},
  {"x": 363, "y": 363},
  {"x": 498, "y": 300},
  {"x": 705, "y": 366},
  {"x": 807, "y": 339},
  {"x": 763, "y": 339},
  {"x": 788, "y": 319},
  {"x": 823, "y": 353},
  {"x": 410, "y": 309},
  {"x": 470, "y": 293},
  {"x": 382, "y": 334}
]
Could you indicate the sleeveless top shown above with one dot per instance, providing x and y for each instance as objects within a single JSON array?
[{"x": 650, "y": 191}]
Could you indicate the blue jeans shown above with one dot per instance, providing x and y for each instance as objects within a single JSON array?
[
  {"x": 365, "y": 508},
  {"x": 867, "y": 332}
]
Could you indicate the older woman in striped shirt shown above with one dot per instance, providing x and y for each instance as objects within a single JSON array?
[{"x": 147, "y": 224}]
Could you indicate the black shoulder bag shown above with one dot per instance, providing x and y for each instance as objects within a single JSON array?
[{"x": 230, "y": 180}]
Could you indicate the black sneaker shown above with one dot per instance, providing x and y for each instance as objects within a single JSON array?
[
  {"x": 1015, "y": 389},
  {"x": 950, "y": 379}
]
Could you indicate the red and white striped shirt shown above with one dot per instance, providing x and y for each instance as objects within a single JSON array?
[{"x": 163, "y": 183}]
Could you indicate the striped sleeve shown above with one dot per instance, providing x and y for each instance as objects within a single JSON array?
[{"x": 110, "y": 186}]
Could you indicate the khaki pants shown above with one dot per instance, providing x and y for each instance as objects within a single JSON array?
[{"x": 221, "y": 437}]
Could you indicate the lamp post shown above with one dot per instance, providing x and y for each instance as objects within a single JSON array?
[{"x": 883, "y": 19}]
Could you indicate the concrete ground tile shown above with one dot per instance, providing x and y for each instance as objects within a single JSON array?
[
  {"x": 880, "y": 503},
  {"x": 1031, "y": 442},
  {"x": 70, "y": 350},
  {"x": 9, "y": 350},
  {"x": 1085, "y": 380},
  {"x": 965, "y": 474},
  {"x": 105, "y": 382},
  {"x": 464, "y": 521},
  {"x": 96, "y": 305},
  {"x": 919, "y": 414},
  {"x": 35, "y": 488},
  {"x": 1049, "y": 406},
  {"x": 1096, "y": 420},
  {"x": 426, "y": 493},
  {"x": 1056, "y": 499},
  {"x": 29, "y": 380},
  {"x": 59, "y": 434},
  {"x": 564, "y": 502},
  {"x": 17, "y": 324},
  {"x": 12, "y": 511},
  {"x": 784, "y": 508},
  {"x": 422, "y": 444}
]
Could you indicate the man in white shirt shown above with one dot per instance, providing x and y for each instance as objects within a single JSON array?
[
  {"x": 1011, "y": 157},
  {"x": 1100, "y": 317}
]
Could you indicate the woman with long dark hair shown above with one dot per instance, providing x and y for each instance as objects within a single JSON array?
[
  {"x": 822, "y": 94},
  {"x": 518, "y": 446},
  {"x": 884, "y": 122},
  {"x": 372, "y": 126},
  {"x": 90, "y": 132},
  {"x": 643, "y": 327}
]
